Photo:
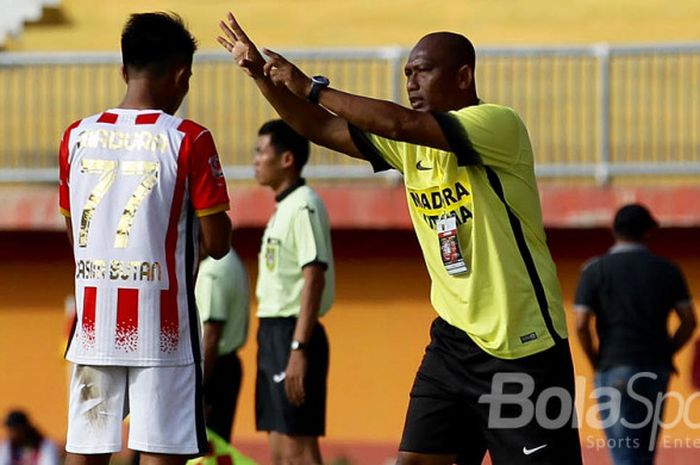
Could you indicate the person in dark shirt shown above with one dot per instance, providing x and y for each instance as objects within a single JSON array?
[{"x": 630, "y": 293}]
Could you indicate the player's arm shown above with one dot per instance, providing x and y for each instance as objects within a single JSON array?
[
  {"x": 479, "y": 136},
  {"x": 584, "y": 320},
  {"x": 686, "y": 328},
  {"x": 209, "y": 195},
  {"x": 585, "y": 304},
  {"x": 216, "y": 234},
  {"x": 309, "y": 120},
  {"x": 69, "y": 230},
  {"x": 286, "y": 88},
  {"x": 314, "y": 282},
  {"x": 211, "y": 337},
  {"x": 380, "y": 117},
  {"x": 213, "y": 304}
]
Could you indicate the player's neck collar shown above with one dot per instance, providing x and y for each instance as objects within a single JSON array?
[{"x": 298, "y": 183}]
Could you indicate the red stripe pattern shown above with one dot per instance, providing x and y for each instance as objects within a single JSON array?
[
  {"x": 169, "y": 318},
  {"x": 109, "y": 118},
  {"x": 127, "y": 332},
  {"x": 64, "y": 169},
  {"x": 147, "y": 118},
  {"x": 88, "y": 320}
]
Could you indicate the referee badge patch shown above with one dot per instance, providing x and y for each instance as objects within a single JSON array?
[{"x": 271, "y": 253}]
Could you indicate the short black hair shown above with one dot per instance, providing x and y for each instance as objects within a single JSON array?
[
  {"x": 17, "y": 419},
  {"x": 633, "y": 221},
  {"x": 155, "y": 42},
  {"x": 283, "y": 138}
]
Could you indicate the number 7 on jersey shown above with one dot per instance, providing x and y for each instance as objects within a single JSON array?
[{"x": 108, "y": 171}]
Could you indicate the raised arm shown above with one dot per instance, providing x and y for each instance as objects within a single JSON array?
[
  {"x": 286, "y": 87},
  {"x": 381, "y": 117},
  {"x": 309, "y": 120}
]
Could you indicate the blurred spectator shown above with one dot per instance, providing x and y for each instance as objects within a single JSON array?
[
  {"x": 25, "y": 445},
  {"x": 630, "y": 293},
  {"x": 222, "y": 299}
]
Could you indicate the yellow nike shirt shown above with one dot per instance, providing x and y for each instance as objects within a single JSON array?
[{"x": 508, "y": 300}]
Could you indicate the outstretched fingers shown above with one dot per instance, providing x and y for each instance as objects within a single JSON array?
[
  {"x": 275, "y": 60},
  {"x": 230, "y": 35},
  {"x": 237, "y": 29},
  {"x": 225, "y": 43},
  {"x": 274, "y": 56}
]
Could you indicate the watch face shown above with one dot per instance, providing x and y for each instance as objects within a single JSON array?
[
  {"x": 297, "y": 345},
  {"x": 323, "y": 80}
]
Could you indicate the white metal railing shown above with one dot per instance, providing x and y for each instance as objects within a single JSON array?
[{"x": 597, "y": 111}]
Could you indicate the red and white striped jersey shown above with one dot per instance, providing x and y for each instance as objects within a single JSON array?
[{"x": 133, "y": 183}]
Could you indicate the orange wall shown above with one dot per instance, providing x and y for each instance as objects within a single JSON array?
[{"x": 378, "y": 328}]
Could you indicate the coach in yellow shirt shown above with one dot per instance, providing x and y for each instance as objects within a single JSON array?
[
  {"x": 295, "y": 287},
  {"x": 497, "y": 374}
]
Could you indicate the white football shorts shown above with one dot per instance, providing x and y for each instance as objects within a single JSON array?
[{"x": 164, "y": 405}]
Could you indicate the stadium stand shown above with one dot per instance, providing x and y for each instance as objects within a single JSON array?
[{"x": 16, "y": 13}]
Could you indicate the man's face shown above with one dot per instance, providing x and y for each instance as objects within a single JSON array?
[
  {"x": 267, "y": 164},
  {"x": 431, "y": 80}
]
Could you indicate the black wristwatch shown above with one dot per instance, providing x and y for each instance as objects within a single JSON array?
[
  {"x": 318, "y": 83},
  {"x": 297, "y": 345}
]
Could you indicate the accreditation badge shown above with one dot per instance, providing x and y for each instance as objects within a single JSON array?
[{"x": 450, "y": 252}]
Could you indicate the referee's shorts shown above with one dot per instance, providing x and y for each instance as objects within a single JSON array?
[
  {"x": 273, "y": 411},
  {"x": 458, "y": 386}
]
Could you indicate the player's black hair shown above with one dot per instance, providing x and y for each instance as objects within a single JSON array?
[
  {"x": 155, "y": 42},
  {"x": 283, "y": 138}
]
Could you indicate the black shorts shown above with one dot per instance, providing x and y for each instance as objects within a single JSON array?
[
  {"x": 449, "y": 414},
  {"x": 273, "y": 412}
]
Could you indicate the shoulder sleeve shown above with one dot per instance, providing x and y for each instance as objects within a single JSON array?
[
  {"x": 211, "y": 294},
  {"x": 482, "y": 134},
  {"x": 206, "y": 177},
  {"x": 587, "y": 289},
  {"x": 64, "y": 171},
  {"x": 313, "y": 245},
  {"x": 383, "y": 154}
]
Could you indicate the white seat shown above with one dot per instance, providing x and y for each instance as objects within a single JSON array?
[{"x": 17, "y": 12}]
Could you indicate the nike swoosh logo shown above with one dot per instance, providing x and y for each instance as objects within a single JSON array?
[
  {"x": 278, "y": 378},
  {"x": 527, "y": 451},
  {"x": 420, "y": 167}
]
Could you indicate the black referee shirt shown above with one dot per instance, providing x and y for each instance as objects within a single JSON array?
[{"x": 631, "y": 292}]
